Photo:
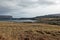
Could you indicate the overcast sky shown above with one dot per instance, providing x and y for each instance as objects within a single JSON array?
[{"x": 29, "y": 8}]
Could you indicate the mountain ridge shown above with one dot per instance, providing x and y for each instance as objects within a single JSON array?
[{"x": 49, "y": 16}]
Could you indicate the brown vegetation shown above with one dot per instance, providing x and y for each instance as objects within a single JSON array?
[{"x": 28, "y": 31}]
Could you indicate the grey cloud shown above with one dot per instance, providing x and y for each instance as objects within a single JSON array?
[
  {"x": 45, "y": 2},
  {"x": 5, "y": 10},
  {"x": 27, "y": 3},
  {"x": 30, "y": 3},
  {"x": 18, "y": 7}
]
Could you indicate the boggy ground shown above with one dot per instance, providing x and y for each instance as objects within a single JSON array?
[{"x": 28, "y": 31}]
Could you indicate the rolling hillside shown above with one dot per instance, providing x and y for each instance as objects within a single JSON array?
[{"x": 53, "y": 19}]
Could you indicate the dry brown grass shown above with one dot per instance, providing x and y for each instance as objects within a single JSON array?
[{"x": 33, "y": 31}]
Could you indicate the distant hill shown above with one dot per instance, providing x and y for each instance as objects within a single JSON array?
[
  {"x": 56, "y": 14},
  {"x": 53, "y": 19},
  {"x": 5, "y": 17},
  {"x": 49, "y": 16}
]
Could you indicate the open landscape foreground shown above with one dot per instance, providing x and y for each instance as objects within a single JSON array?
[{"x": 28, "y": 31}]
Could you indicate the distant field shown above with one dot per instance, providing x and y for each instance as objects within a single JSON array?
[{"x": 28, "y": 31}]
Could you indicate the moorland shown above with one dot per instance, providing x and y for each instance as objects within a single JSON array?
[{"x": 29, "y": 31}]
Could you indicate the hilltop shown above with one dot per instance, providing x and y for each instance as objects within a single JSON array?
[
  {"x": 53, "y": 19},
  {"x": 49, "y": 16}
]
